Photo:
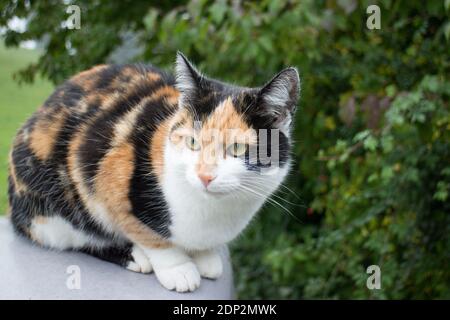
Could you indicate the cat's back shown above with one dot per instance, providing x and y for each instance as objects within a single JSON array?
[
  {"x": 105, "y": 86},
  {"x": 97, "y": 98},
  {"x": 67, "y": 138}
]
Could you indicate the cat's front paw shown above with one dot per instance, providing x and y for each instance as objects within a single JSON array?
[
  {"x": 140, "y": 262},
  {"x": 209, "y": 264},
  {"x": 181, "y": 278}
]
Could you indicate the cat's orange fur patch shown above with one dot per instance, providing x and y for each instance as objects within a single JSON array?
[
  {"x": 225, "y": 117},
  {"x": 113, "y": 178},
  {"x": 44, "y": 134},
  {"x": 225, "y": 126},
  {"x": 157, "y": 148},
  {"x": 112, "y": 189},
  {"x": 90, "y": 72},
  {"x": 87, "y": 79},
  {"x": 168, "y": 93},
  {"x": 73, "y": 167},
  {"x": 152, "y": 76},
  {"x": 125, "y": 126},
  {"x": 127, "y": 75},
  {"x": 139, "y": 78},
  {"x": 110, "y": 100},
  {"x": 86, "y": 102}
]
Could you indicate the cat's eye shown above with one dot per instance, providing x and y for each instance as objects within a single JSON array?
[
  {"x": 192, "y": 143},
  {"x": 237, "y": 149}
]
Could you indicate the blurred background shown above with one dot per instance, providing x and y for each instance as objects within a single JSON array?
[{"x": 371, "y": 179}]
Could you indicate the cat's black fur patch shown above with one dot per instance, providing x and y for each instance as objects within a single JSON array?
[
  {"x": 146, "y": 197},
  {"x": 120, "y": 255}
]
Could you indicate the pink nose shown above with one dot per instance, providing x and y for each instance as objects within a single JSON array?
[{"x": 206, "y": 179}]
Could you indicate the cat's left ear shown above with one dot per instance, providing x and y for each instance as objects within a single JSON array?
[
  {"x": 188, "y": 78},
  {"x": 279, "y": 97}
]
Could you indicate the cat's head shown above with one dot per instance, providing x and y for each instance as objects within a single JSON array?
[{"x": 226, "y": 138}]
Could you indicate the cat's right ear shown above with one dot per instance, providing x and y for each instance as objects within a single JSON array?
[{"x": 187, "y": 77}]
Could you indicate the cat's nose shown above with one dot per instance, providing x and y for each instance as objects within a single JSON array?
[{"x": 206, "y": 178}]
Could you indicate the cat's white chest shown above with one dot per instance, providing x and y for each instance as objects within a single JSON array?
[{"x": 199, "y": 225}]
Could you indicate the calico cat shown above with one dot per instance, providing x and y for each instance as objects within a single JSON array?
[{"x": 119, "y": 163}]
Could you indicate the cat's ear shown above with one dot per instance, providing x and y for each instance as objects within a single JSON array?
[
  {"x": 187, "y": 77},
  {"x": 281, "y": 93},
  {"x": 278, "y": 98}
]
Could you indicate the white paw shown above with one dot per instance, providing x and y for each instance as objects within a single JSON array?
[
  {"x": 182, "y": 278},
  {"x": 209, "y": 264},
  {"x": 141, "y": 262}
]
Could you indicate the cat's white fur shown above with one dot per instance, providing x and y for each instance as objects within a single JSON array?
[
  {"x": 141, "y": 262},
  {"x": 55, "y": 232}
]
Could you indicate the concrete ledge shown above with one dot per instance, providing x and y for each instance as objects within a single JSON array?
[{"x": 30, "y": 272}]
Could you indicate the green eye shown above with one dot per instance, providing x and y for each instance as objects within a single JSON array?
[
  {"x": 192, "y": 143},
  {"x": 237, "y": 149}
]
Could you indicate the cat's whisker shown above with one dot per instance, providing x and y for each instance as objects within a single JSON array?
[
  {"x": 264, "y": 180},
  {"x": 258, "y": 193},
  {"x": 270, "y": 200},
  {"x": 261, "y": 188}
]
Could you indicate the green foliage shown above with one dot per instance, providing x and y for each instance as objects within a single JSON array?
[{"x": 371, "y": 178}]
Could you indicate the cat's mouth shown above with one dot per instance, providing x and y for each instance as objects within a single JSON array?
[{"x": 219, "y": 192}]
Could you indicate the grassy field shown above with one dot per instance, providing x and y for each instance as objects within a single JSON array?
[{"x": 16, "y": 104}]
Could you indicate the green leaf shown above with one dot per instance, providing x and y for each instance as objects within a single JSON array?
[
  {"x": 218, "y": 10},
  {"x": 387, "y": 173},
  {"x": 442, "y": 191},
  {"x": 370, "y": 143},
  {"x": 361, "y": 135},
  {"x": 391, "y": 90},
  {"x": 387, "y": 143}
]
